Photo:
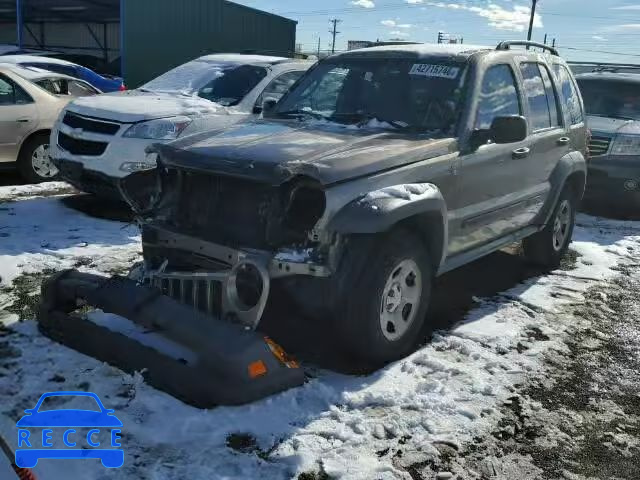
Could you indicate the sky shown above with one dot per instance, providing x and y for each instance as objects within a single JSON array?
[{"x": 585, "y": 30}]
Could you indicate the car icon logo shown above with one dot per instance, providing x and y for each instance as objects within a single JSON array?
[{"x": 67, "y": 425}]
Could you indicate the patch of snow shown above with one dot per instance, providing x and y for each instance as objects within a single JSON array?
[
  {"x": 436, "y": 395},
  {"x": 404, "y": 192},
  {"x": 151, "y": 339}
]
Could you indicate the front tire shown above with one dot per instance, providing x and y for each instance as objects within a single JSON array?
[
  {"x": 34, "y": 162},
  {"x": 383, "y": 312},
  {"x": 546, "y": 248}
]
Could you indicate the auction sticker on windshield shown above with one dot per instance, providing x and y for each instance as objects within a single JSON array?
[{"x": 437, "y": 71}]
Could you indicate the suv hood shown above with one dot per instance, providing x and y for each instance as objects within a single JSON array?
[
  {"x": 274, "y": 151},
  {"x": 614, "y": 125},
  {"x": 135, "y": 106}
]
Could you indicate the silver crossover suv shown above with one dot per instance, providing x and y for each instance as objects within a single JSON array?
[{"x": 98, "y": 141}]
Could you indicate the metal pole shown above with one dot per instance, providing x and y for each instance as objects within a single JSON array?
[
  {"x": 533, "y": 16},
  {"x": 318, "y": 48},
  {"x": 334, "y": 32},
  {"x": 19, "y": 22}
]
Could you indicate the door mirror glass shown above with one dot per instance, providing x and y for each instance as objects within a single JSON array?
[{"x": 510, "y": 129}]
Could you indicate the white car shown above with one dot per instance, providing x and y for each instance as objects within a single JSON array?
[
  {"x": 98, "y": 141},
  {"x": 30, "y": 102}
]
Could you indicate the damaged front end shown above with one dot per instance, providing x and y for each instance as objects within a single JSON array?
[
  {"x": 217, "y": 242},
  {"x": 212, "y": 246}
]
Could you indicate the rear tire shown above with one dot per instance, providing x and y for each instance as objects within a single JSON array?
[
  {"x": 382, "y": 315},
  {"x": 546, "y": 248},
  {"x": 34, "y": 163}
]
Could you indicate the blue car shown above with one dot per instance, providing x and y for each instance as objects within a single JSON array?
[
  {"x": 102, "y": 83},
  {"x": 68, "y": 419}
]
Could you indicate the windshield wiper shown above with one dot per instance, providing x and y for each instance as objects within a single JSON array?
[{"x": 301, "y": 112}]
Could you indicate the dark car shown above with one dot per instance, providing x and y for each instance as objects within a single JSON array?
[{"x": 612, "y": 101}]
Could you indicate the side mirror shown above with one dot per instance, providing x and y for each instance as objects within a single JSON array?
[
  {"x": 509, "y": 129},
  {"x": 268, "y": 106}
]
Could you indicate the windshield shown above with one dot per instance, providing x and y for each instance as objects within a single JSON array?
[
  {"x": 613, "y": 99},
  {"x": 401, "y": 93},
  {"x": 225, "y": 83}
]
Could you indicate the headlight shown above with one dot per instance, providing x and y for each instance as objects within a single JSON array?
[
  {"x": 626, "y": 145},
  {"x": 160, "y": 129}
]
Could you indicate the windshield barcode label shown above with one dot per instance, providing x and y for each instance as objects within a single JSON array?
[{"x": 439, "y": 71}]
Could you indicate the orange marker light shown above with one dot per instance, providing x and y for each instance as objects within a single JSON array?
[
  {"x": 257, "y": 369},
  {"x": 280, "y": 354}
]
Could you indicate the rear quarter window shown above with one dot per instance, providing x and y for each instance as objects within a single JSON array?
[{"x": 570, "y": 94}]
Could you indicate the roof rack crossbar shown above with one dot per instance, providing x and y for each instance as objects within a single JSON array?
[{"x": 508, "y": 44}]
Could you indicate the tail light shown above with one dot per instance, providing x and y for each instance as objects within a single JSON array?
[{"x": 122, "y": 87}]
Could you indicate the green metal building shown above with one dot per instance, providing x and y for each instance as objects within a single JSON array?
[
  {"x": 145, "y": 37},
  {"x": 160, "y": 34}
]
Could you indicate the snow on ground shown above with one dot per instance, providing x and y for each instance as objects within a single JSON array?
[
  {"x": 39, "y": 234},
  {"x": 358, "y": 427}
]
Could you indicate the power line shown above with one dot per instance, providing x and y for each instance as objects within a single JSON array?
[{"x": 599, "y": 51}]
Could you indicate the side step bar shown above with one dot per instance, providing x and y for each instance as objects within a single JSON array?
[{"x": 233, "y": 365}]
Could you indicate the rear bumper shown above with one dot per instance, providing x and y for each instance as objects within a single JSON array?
[{"x": 229, "y": 364}]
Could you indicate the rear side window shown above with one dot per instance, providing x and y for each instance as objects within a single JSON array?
[
  {"x": 279, "y": 86},
  {"x": 569, "y": 94},
  {"x": 536, "y": 93},
  {"x": 552, "y": 98},
  {"x": 499, "y": 96}
]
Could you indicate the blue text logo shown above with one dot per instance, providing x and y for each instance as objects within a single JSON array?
[{"x": 69, "y": 433}]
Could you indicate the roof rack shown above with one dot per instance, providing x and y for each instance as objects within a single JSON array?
[{"x": 508, "y": 44}]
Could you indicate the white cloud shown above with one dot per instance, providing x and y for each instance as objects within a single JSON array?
[
  {"x": 399, "y": 33},
  {"x": 500, "y": 18},
  {"x": 623, "y": 27},
  {"x": 394, "y": 24},
  {"x": 414, "y": 2},
  {"x": 363, "y": 3},
  {"x": 627, "y": 7},
  {"x": 599, "y": 38}
]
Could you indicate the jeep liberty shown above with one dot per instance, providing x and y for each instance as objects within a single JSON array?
[{"x": 379, "y": 170}]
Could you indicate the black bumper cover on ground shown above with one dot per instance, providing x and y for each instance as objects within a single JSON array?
[{"x": 228, "y": 356}]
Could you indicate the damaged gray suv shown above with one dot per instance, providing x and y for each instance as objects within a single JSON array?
[{"x": 381, "y": 169}]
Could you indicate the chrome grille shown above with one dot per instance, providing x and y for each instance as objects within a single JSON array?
[
  {"x": 201, "y": 291},
  {"x": 599, "y": 145}
]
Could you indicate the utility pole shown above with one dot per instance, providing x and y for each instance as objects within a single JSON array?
[
  {"x": 334, "y": 32},
  {"x": 441, "y": 37},
  {"x": 533, "y": 16},
  {"x": 554, "y": 43},
  {"x": 545, "y": 39},
  {"x": 318, "y": 48}
]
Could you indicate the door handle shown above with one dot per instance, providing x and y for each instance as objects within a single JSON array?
[
  {"x": 521, "y": 153},
  {"x": 23, "y": 120},
  {"x": 563, "y": 141}
]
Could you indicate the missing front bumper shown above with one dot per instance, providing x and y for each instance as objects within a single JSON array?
[{"x": 231, "y": 365}]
